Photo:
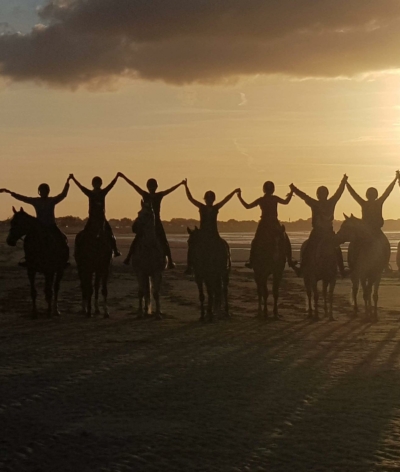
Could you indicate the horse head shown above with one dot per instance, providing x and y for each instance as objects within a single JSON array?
[
  {"x": 20, "y": 224},
  {"x": 350, "y": 229}
]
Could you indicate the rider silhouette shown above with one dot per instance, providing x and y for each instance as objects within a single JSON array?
[
  {"x": 154, "y": 198},
  {"x": 371, "y": 208},
  {"x": 208, "y": 217},
  {"x": 323, "y": 210},
  {"x": 269, "y": 222},
  {"x": 97, "y": 211},
  {"x": 45, "y": 209}
]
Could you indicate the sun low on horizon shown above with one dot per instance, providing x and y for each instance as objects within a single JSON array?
[{"x": 225, "y": 96}]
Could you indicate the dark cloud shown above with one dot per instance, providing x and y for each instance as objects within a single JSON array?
[{"x": 184, "y": 41}]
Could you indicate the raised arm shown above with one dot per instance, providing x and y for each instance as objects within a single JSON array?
[
  {"x": 227, "y": 198},
  {"x": 248, "y": 206},
  {"x": 85, "y": 190},
  {"x": 285, "y": 201},
  {"x": 339, "y": 192},
  {"x": 59, "y": 198},
  {"x": 140, "y": 191},
  {"x": 354, "y": 194},
  {"x": 309, "y": 201},
  {"x": 189, "y": 195},
  {"x": 21, "y": 198},
  {"x": 170, "y": 190},
  {"x": 111, "y": 184},
  {"x": 388, "y": 191}
]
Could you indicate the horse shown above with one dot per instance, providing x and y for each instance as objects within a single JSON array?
[
  {"x": 93, "y": 254},
  {"x": 211, "y": 261},
  {"x": 269, "y": 258},
  {"x": 368, "y": 257},
  {"x": 44, "y": 254},
  {"x": 148, "y": 261},
  {"x": 319, "y": 263}
]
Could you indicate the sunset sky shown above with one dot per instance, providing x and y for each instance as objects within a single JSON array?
[{"x": 226, "y": 93}]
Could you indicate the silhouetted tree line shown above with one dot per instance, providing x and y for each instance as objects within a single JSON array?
[{"x": 73, "y": 224}]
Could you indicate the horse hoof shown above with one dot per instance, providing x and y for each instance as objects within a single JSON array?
[
  {"x": 158, "y": 317},
  {"x": 106, "y": 315},
  {"x": 56, "y": 313},
  {"x": 97, "y": 312}
]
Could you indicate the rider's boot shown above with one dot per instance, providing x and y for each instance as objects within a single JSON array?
[
  {"x": 116, "y": 253},
  {"x": 22, "y": 263}
]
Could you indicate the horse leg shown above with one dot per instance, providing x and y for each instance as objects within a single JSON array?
[
  {"x": 332, "y": 285},
  {"x": 364, "y": 285},
  {"x": 96, "y": 292},
  {"x": 104, "y": 293},
  {"x": 277, "y": 277},
  {"x": 140, "y": 296},
  {"x": 210, "y": 301},
  {"x": 325, "y": 296},
  {"x": 57, "y": 282},
  {"x": 265, "y": 297},
  {"x": 309, "y": 297},
  {"x": 147, "y": 304},
  {"x": 355, "y": 286},
  {"x": 201, "y": 298},
  {"x": 316, "y": 298},
  {"x": 260, "y": 296},
  {"x": 376, "y": 288},
  {"x": 48, "y": 290},
  {"x": 31, "y": 276}
]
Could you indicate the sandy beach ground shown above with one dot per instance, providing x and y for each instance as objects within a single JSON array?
[{"x": 81, "y": 394}]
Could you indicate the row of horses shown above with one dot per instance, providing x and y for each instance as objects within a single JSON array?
[{"x": 368, "y": 257}]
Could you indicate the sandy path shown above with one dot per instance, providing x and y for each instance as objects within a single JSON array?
[{"x": 238, "y": 395}]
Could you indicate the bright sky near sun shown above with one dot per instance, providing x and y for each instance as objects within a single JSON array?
[{"x": 237, "y": 123}]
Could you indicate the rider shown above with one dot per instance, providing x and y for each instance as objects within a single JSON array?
[
  {"x": 97, "y": 210},
  {"x": 371, "y": 208},
  {"x": 269, "y": 222},
  {"x": 45, "y": 209},
  {"x": 323, "y": 210},
  {"x": 155, "y": 198},
  {"x": 208, "y": 217}
]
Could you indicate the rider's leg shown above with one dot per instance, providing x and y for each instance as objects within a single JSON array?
[
  {"x": 189, "y": 261},
  {"x": 127, "y": 260},
  {"x": 62, "y": 238},
  {"x": 288, "y": 250},
  {"x": 164, "y": 241},
  {"x": 340, "y": 263},
  {"x": 109, "y": 232},
  {"x": 249, "y": 264}
]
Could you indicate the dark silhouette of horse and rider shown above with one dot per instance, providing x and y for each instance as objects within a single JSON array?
[{"x": 208, "y": 258}]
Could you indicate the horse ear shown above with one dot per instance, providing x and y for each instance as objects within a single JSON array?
[
  {"x": 352, "y": 216},
  {"x": 345, "y": 216},
  {"x": 14, "y": 210},
  {"x": 188, "y": 230},
  {"x": 21, "y": 209},
  {"x": 142, "y": 203},
  {"x": 196, "y": 227}
]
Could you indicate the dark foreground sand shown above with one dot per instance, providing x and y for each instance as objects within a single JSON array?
[{"x": 82, "y": 394}]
